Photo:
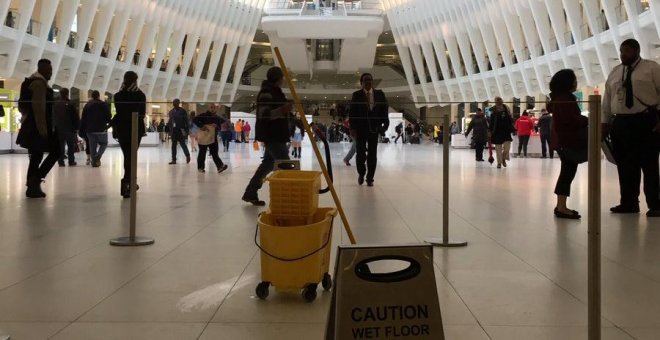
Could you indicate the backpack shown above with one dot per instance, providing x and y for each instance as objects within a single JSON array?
[{"x": 25, "y": 97}]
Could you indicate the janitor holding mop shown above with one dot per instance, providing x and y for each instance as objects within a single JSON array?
[{"x": 272, "y": 129}]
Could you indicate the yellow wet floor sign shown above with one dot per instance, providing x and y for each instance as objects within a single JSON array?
[{"x": 386, "y": 292}]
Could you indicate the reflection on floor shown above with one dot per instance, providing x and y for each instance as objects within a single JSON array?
[{"x": 523, "y": 275}]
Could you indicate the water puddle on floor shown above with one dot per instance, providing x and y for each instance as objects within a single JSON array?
[{"x": 209, "y": 297}]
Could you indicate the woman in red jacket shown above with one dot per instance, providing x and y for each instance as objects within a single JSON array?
[
  {"x": 524, "y": 125},
  {"x": 568, "y": 137}
]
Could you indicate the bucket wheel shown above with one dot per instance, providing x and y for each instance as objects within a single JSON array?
[
  {"x": 263, "y": 290},
  {"x": 309, "y": 292}
]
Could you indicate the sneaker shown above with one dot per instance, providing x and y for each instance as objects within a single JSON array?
[
  {"x": 223, "y": 168},
  {"x": 254, "y": 201},
  {"x": 88, "y": 162},
  {"x": 201, "y": 171},
  {"x": 620, "y": 209}
]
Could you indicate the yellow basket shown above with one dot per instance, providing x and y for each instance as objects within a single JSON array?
[
  {"x": 294, "y": 193},
  {"x": 294, "y": 256}
]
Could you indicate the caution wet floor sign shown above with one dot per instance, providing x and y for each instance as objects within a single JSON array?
[{"x": 385, "y": 293}]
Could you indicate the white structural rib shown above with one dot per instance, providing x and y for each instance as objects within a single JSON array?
[
  {"x": 531, "y": 38},
  {"x": 155, "y": 28}
]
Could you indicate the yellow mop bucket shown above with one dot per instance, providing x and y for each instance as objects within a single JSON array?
[
  {"x": 294, "y": 193},
  {"x": 295, "y": 254}
]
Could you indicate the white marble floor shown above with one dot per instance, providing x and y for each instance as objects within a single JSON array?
[{"x": 522, "y": 276}]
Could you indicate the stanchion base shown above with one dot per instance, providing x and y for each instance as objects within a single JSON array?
[
  {"x": 126, "y": 241},
  {"x": 438, "y": 242}
]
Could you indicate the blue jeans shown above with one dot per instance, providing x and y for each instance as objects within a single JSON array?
[
  {"x": 99, "y": 139},
  {"x": 273, "y": 152}
]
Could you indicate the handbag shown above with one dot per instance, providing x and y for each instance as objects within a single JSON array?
[
  {"x": 206, "y": 136},
  {"x": 608, "y": 149}
]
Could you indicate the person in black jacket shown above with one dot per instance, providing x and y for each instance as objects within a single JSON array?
[
  {"x": 206, "y": 121},
  {"x": 37, "y": 133},
  {"x": 179, "y": 129},
  {"x": 94, "y": 126},
  {"x": 66, "y": 121},
  {"x": 272, "y": 129},
  {"x": 545, "y": 130},
  {"x": 369, "y": 118},
  {"x": 501, "y": 127},
  {"x": 128, "y": 100},
  {"x": 479, "y": 126}
]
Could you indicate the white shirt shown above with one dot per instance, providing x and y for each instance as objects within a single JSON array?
[
  {"x": 646, "y": 89},
  {"x": 370, "y": 98}
]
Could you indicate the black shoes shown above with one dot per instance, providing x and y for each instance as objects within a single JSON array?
[
  {"x": 172, "y": 162},
  {"x": 621, "y": 209},
  {"x": 34, "y": 188},
  {"x": 223, "y": 168},
  {"x": 360, "y": 179},
  {"x": 653, "y": 213},
  {"x": 254, "y": 201},
  {"x": 574, "y": 215},
  {"x": 370, "y": 183}
]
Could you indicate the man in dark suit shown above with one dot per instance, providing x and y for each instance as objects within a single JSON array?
[{"x": 368, "y": 118}]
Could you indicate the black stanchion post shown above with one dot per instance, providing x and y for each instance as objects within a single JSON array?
[
  {"x": 445, "y": 242},
  {"x": 594, "y": 258},
  {"x": 132, "y": 240}
]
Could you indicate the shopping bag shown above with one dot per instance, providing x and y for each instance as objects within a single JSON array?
[
  {"x": 206, "y": 136},
  {"x": 386, "y": 292}
]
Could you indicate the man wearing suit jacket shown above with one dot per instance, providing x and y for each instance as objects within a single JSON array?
[{"x": 368, "y": 118}]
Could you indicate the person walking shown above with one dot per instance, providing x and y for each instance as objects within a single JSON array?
[
  {"x": 179, "y": 129},
  {"x": 94, "y": 124},
  {"x": 297, "y": 135},
  {"x": 238, "y": 128},
  {"x": 161, "y": 130},
  {"x": 208, "y": 123},
  {"x": 369, "y": 119},
  {"x": 246, "y": 131},
  {"x": 271, "y": 128},
  {"x": 501, "y": 127},
  {"x": 192, "y": 136},
  {"x": 399, "y": 131},
  {"x": 225, "y": 133},
  {"x": 37, "y": 133},
  {"x": 479, "y": 128},
  {"x": 66, "y": 122},
  {"x": 545, "y": 129},
  {"x": 409, "y": 133},
  {"x": 524, "y": 126},
  {"x": 128, "y": 100},
  {"x": 630, "y": 115},
  {"x": 569, "y": 136}
]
